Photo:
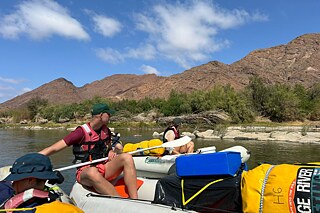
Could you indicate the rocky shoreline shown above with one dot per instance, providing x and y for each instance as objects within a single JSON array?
[{"x": 296, "y": 134}]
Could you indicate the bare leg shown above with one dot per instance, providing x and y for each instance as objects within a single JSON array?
[
  {"x": 92, "y": 178},
  {"x": 123, "y": 162},
  {"x": 178, "y": 149},
  {"x": 190, "y": 147}
]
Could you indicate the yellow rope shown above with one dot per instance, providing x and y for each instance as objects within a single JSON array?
[
  {"x": 17, "y": 209},
  {"x": 54, "y": 188},
  {"x": 184, "y": 202}
]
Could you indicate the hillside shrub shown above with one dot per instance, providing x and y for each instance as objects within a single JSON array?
[
  {"x": 278, "y": 102},
  {"x": 21, "y": 114},
  {"x": 315, "y": 110},
  {"x": 283, "y": 104},
  {"x": 258, "y": 94},
  {"x": 177, "y": 104},
  {"x": 35, "y": 105}
]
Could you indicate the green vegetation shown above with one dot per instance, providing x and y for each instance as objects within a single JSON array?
[
  {"x": 278, "y": 102},
  {"x": 34, "y": 105}
]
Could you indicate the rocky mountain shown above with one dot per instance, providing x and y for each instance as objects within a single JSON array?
[
  {"x": 292, "y": 63},
  {"x": 56, "y": 91}
]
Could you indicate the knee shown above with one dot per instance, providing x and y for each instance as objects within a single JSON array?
[
  {"x": 191, "y": 144},
  {"x": 92, "y": 174},
  {"x": 126, "y": 158},
  {"x": 190, "y": 147}
]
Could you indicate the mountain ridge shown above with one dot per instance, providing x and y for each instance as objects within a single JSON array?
[{"x": 297, "y": 62}]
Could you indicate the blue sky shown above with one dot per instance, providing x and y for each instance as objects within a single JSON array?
[{"x": 88, "y": 40}]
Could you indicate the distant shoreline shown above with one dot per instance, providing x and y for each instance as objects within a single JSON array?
[{"x": 297, "y": 132}]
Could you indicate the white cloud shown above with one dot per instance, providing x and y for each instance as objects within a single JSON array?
[
  {"x": 9, "y": 88},
  {"x": 109, "y": 55},
  {"x": 10, "y": 80},
  {"x": 9, "y": 92},
  {"x": 40, "y": 19},
  {"x": 149, "y": 70},
  {"x": 24, "y": 90},
  {"x": 146, "y": 52},
  {"x": 106, "y": 26},
  {"x": 184, "y": 33},
  {"x": 187, "y": 33},
  {"x": 3, "y": 96},
  {"x": 5, "y": 88}
]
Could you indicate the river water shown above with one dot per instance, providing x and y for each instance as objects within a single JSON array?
[{"x": 17, "y": 142}]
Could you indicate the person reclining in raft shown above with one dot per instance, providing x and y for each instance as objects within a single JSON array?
[
  {"x": 29, "y": 174},
  {"x": 93, "y": 141},
  {"x": 172, "y": 133}
]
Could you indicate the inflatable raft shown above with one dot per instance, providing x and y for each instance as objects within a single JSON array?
[
  {"x": 164, "y": 195},
  {"x": 156, "y": 195},
  {"x": 4, "y": 172},
  {"x": 89, "y": 201}
]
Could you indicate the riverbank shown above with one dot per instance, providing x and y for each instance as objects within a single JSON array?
[{"x": 296, "y": 132}]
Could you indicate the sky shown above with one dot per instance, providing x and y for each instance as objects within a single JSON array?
[{"x": 88, "y": 40}]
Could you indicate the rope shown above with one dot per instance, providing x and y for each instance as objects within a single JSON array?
[
  {"x": 184, "y": 202},
  {"x": 17, "y": 209},
  {"x": 264, "y": 187}
]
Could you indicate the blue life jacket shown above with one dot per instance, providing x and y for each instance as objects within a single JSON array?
[{"x": 6, "y": 192}]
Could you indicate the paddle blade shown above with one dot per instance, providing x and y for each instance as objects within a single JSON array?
[{"x": 179, "y": 142}]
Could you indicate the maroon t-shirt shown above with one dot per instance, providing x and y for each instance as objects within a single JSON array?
[{"x": 75, "y": 137}]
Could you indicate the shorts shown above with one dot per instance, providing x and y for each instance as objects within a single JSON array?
[{"x": 100, "y": 167}]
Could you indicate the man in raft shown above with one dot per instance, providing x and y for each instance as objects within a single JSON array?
[
  {"x": 93, "y": 141},
  {"x": 172, "y": 133},
  {"x": 29, "y": 174}
]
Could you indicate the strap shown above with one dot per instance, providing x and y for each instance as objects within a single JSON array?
[
  {"x": 86, "y": 127},
  {"x": 184, "y": 202},
  {"x": 88, "y": 130},
  {"x": 16, "y": 209}
]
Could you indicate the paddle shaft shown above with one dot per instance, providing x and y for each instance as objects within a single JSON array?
[
  {"x": 179, "y": 142},
  {"x": 102, "y": 159}
]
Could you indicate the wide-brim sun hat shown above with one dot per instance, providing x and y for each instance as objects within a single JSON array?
[
  {"x": 33, "y": 165},
  {"x": 102, "y": 108}
]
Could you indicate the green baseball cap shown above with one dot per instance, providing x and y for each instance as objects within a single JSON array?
[{"x": 101, "y": 108}]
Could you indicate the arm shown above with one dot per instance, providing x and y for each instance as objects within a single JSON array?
[
  {"x": 75, "y": 137},
  {"x": 56, "y": 147},
  {"x": 170, "y": 137}
]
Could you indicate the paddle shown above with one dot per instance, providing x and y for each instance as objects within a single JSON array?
[{"x": 179, "y": 142}]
